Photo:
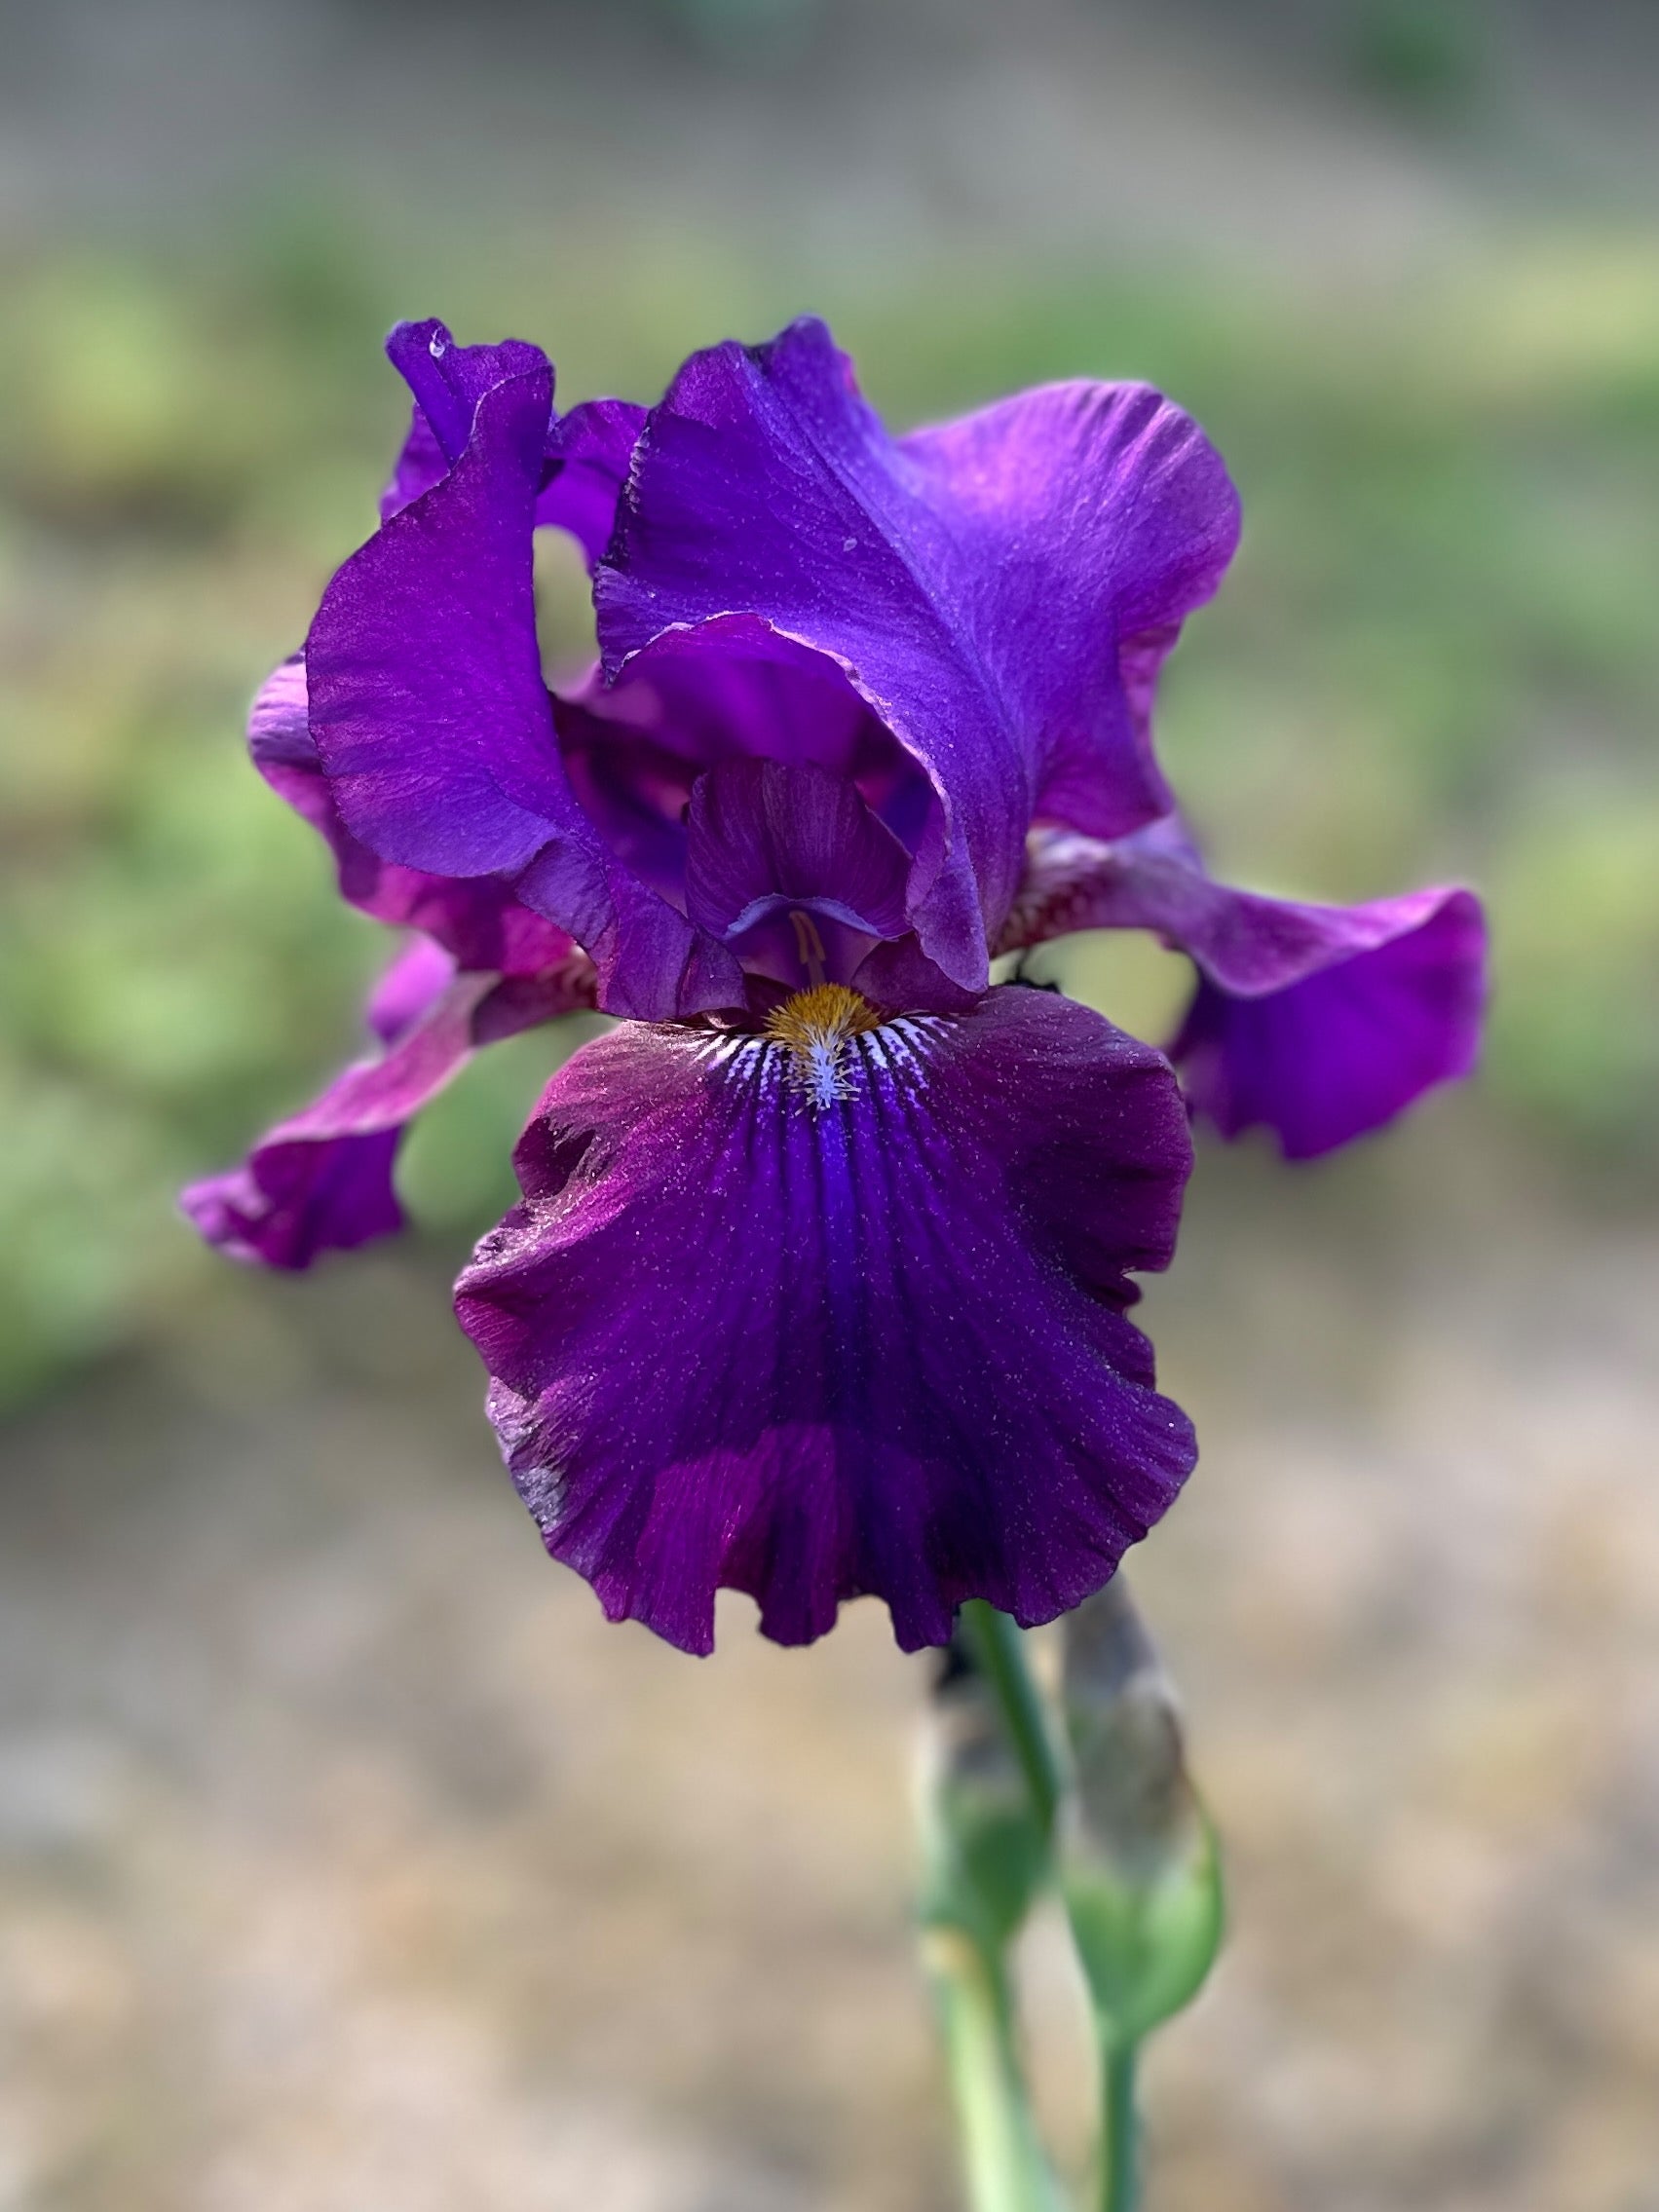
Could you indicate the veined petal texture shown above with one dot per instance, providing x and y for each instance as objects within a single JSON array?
[{"x": 819, "y": 1335}]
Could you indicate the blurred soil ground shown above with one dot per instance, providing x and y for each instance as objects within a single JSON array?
[{"x": 350, "y": 1860}]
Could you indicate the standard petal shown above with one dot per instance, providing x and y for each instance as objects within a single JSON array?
[
  {"x": 1093, "y": 518},
  {"x": 1321, "y": 1022},
  {"x": 321, "y": 1180},
  {"x": 435, "y": 731},
  {"x": 446, "y": 381},
  {"x": 586, "y": 457},
  {"x": 586, "y": 465},
  {"x": 477, "y": 918},
  {"x": 812, "y": 1352},
  {"x": 420, "y": 463},
  {"x": 997, "y": 589}
]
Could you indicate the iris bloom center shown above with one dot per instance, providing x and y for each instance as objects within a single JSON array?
[{"x": 815, "y": 1027}]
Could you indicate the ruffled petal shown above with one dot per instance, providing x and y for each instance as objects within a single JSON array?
[
  {"x": 586, "y": 451},
  {"x": 1338, "y": 1054},
  {"x": 1321, "y": 1022},
  {"x": 1095, "y": 517},
  {"x": 998, "y": 590},
  {"x": 586, "y": 465},
  {"x": 291, "y": 1201},
  {"x": 816, "y": 1351},
  {"x": 321, "y": 1180},
  {"x": 476, "y": 919},
  {"x": 434, "y": 728},
  {"x": 446, "y": 381}
]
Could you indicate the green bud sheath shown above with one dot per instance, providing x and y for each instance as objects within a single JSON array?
[
  {"x": 1139, "y": 1866},
  {"x": 986, "y": 1851}
]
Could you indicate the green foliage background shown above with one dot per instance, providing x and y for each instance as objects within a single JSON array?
[{"x": 1437, "y": 653}]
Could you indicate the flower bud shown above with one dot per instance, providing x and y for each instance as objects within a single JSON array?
[
  {"x": 1138, "y": 1867},
  {"x": 985, "y": 1850}
]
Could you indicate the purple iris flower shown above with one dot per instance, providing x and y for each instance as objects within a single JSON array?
[{"x": 819, "y": 1287}]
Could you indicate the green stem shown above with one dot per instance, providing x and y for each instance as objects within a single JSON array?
[
  {"x": 1119, "y": 2150},
  {"x": 999, "y": 1648},
  {"x": 1001, "y": 2157}
]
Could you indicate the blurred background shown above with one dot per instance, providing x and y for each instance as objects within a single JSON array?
[{"x": 346, "y": 1858}]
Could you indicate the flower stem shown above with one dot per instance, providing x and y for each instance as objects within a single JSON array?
[
  {"x": 1000, "y": 1649},
  {"x": 1119, "y": 2150},
  {"x": 1002, "y": 2161}
]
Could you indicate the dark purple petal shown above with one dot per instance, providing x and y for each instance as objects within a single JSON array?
[
  {"x": 586, "y": 465},
  {"x": 428, "y": 705},
  {"x": 1321, "y": 1022},
  {"x": 730, "y": 690},
  {"x": 292, "y": 1201},
  {"x": 876, "y": 1346},
  {"x": 447, "y": 381},
  {"x": 900, "y": 975},
  {"x": 767, "y": 836},
  {"x": 321, "y": 1180},
  {"x": 434, "y": 728},
  {"x": 477, "y": 918},
  {"x": 998, "y": 590},
  {"x": 586, "y": 451},
  {"x": 1347, "y": 1048},
  {"x": 418, "y": 466},
  {"x": 1094, "y": 517},
  {"x": 585, "y": 461}
]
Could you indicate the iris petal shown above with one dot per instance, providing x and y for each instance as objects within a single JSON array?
[
  {"x": 1094, "y": 518},
  {"x": 1343, "y": 1051},
  {"x": 764, "y": 835},
  {"x": 720, "y": 699},
  {"x": 321, "y": 1180},
  {"x": 435, "y": 731},
  {"x": 446, "y": 382},
  {"x": 586, "y": 451},
  {"x": 999, "y": 590},
  {"x": 813, "y": 1351},
  {"x": 587, "y": 463},
  {"x": 477, "y": 918},
  {"x": 1321, "y": 1022}
]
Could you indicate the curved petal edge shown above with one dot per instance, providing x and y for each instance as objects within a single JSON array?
[
  {"x": 813, "y": 1351},
  {"x": 1321, "y": 1022}
]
